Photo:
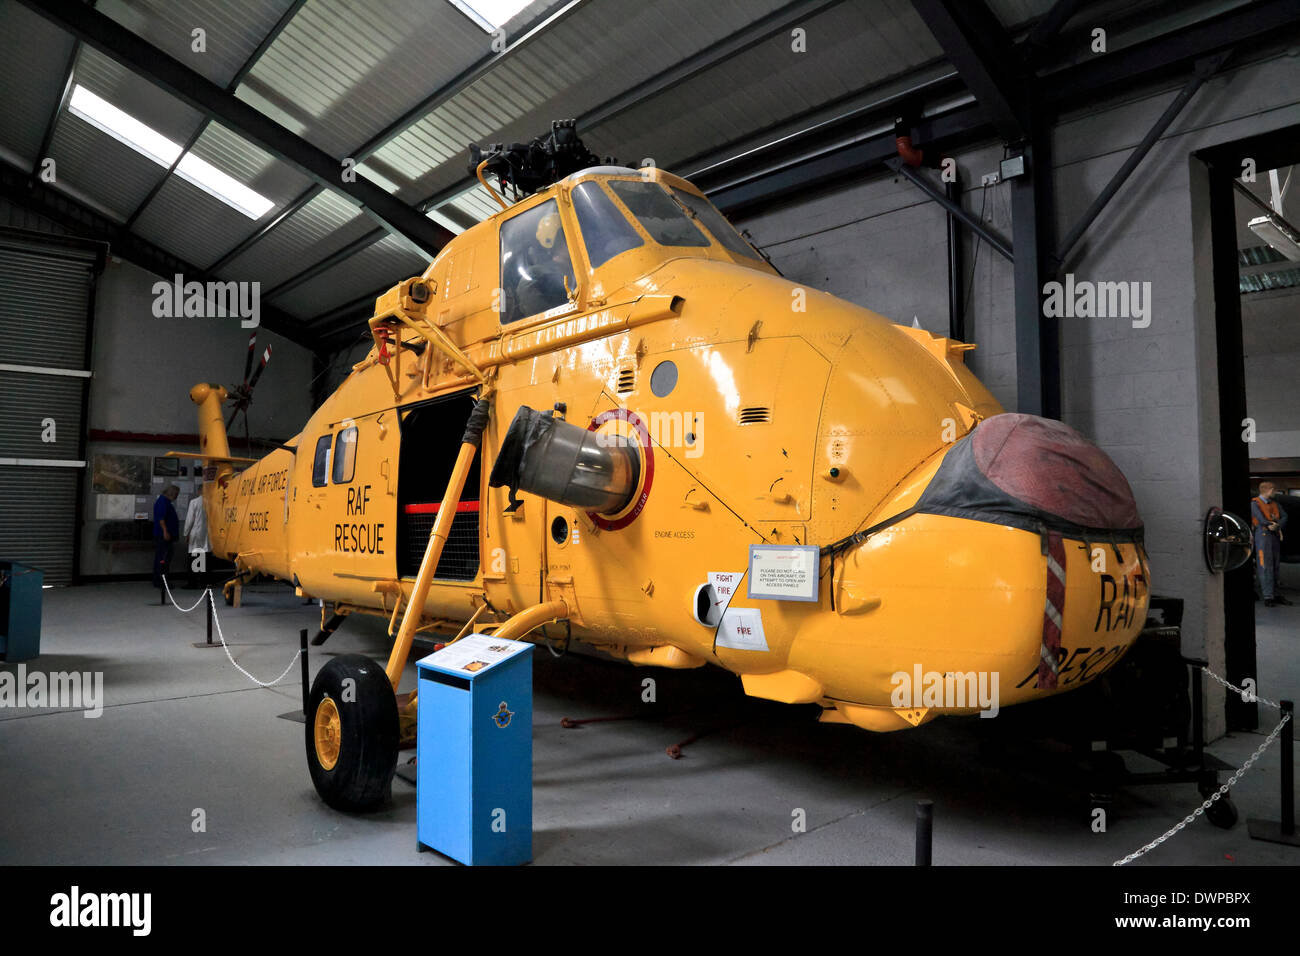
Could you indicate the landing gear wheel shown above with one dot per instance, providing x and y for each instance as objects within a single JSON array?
[
  {"x": 228, "y": 592},
  {"x": 352, "y": 733},
  {"x": 1222, "y": 813}
]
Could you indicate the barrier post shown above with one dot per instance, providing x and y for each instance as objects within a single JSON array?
[{"x": 924, "y": 831}]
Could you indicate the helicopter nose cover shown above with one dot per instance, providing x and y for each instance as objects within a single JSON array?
[{"x": 1036, "y": 474}]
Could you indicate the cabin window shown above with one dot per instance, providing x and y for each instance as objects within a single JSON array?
[
  {"x": 717, "y": 224},
  {"x": 666, "y": 222},
  {"x": 605, "y": 230},
  {"x": 535, "y": 263},
  {"x": 320, "y": 466},
  {"x": 345, "y": 455}
]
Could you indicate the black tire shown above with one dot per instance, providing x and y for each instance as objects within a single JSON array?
[
  {"x": 362, "y": 776},
  {"x": 1222, "y": 813}
]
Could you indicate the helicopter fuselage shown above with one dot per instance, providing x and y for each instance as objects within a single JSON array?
[{"x": 763, "y": 413}]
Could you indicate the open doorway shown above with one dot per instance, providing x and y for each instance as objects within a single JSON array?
[
  {"x": 1256, "y": 284},
  {"x": 431, "y": 439},
  {"x": 1268, "y": 250}
]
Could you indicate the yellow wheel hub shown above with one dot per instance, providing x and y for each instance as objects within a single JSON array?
[{"x": 328, "y": 733}]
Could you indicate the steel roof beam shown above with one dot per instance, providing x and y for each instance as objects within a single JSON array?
[
  {"x": 755, "y": 33},
  {"x": 233, "y": 85},
  {"x": 384, "y": 136},
  {"x": 1049, "y": 26},
  {"x": 48, "y": 136},
  {"x": 1262, "y": 21},
  {"x": 333, "y": 259},
  {"x": 194, "y": 89},
  {"x": 978, "y": 46}
]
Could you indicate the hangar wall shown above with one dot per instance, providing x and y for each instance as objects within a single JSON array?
[
  {"x": 1148, "y": 396},
  {"x": 144, "y": 367}
]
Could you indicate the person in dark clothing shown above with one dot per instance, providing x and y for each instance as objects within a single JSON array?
[
  {"x": 166, "y": 529},
  {"x": 1268, "y": 519}
]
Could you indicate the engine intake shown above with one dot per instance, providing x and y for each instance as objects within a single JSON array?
[{"x": 550, "y": 458}]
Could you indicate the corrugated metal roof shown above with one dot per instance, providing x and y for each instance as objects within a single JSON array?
[
  {"x": 233, "y": 29},
  {"x": 344, "y": 69},
  {"x": 388, "y": 260},
  {"x": 476, "y": 202},
  {"x": 108, "y": 171},
  {"x": 192, "y": 223},
  {"x": 848, "y": 46},
  {"x": 33, "y": 55},
  {"x": 598, "y": 51},
  {"x": 323, "y": 226},
  {"x": 135, "y": 96},
  {"x": 250, "y": 164}
]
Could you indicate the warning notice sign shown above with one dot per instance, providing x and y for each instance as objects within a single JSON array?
[{"x": 783, "y": 572}]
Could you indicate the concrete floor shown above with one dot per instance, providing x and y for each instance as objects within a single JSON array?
[{"x": 183, "y": 730}]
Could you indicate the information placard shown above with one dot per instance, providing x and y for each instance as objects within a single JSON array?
[
  {"x": 474, "y": 653},
  {"x": 783, "y": 572}
]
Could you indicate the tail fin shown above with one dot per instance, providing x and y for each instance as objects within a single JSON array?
[{"x": 213, "y": 445}]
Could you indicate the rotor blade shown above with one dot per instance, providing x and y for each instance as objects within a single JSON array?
[
  {"x": 266, "y": 357},
  {"x": 248, "y": 361},
  {"x": 231, "y": 420}
]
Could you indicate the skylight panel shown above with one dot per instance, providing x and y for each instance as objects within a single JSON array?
[
  {"x": 225, "y": 187},
  {"x": 100, "y": 113},
  {"x": 490, "y": 14},
  {"x": 125, "y": 128}
]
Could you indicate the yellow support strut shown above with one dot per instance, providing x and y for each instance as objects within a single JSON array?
[{"x": 437, "y": 539}]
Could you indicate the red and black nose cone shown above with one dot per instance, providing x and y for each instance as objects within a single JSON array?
[{"x": 1036, "y": 474}]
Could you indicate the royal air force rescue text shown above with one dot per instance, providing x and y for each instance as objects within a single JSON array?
[
  {"x": 359, "y": 537},
  {"x": 350, "y": 537}
]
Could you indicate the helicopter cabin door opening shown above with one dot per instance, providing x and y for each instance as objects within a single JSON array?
[{"x": 431, "y": 439}]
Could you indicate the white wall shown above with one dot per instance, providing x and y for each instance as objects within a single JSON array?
[
  {"x": 143, "y": 369},
  {"x": 1147, "y": 396},
  {"x": 1271, "y": 333}
]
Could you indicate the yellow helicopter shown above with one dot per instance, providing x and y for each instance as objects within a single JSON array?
[{"x": 602, "y": 407}]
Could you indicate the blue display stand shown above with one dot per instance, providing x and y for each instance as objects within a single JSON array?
[
  {"x": 474, "y": 766},
  {"x": 20, "y": 611}
]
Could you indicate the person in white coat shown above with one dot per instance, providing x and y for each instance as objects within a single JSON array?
[{"x": 196, "y": 537}]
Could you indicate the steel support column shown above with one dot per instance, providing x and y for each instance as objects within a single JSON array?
[{"x": 1038, "y": 350}]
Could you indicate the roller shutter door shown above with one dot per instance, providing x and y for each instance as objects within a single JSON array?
[{"x": 45, "y": 296}]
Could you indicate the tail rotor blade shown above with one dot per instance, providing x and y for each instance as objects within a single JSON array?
[
  {"x": 266, "y": 357},
  {"x": 248, "y": 360}
]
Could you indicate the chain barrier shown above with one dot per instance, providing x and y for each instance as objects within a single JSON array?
[
  {"x": 1231, "y": 780},
  {"x": 184, "y": 610},
  {"x": 207, "y": 593}
]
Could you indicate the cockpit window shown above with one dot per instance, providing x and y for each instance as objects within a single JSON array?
[
  {"x": 605, "y": 230},
  {"x": 667, "y": 224},
  {"x": 534, "y": 263},
  {"x": 717, "y": 224}
]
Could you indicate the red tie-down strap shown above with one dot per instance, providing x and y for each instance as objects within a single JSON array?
[
  {"x": 382, "y": 335},
  {"x": 433, "y": 507},
  {"x": 1053, "y": 613}
]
